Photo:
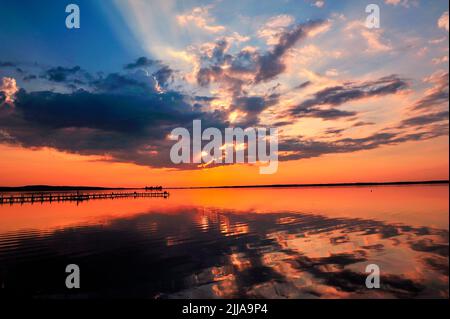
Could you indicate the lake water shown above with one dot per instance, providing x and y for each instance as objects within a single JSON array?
[{"x": 232, "y": 243}]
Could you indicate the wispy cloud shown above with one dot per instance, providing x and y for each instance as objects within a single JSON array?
[
  {"x": 443, "y": 21},
  {"x": 200, "y": 18}
]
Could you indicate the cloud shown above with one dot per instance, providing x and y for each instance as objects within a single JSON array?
[
  {"x": 217, "y": 65},
  {"x": 299, "y": 148},
  {"x": 123, "y": 127},
  {"x": 403, "y": 3},
  {"x": 437, "y": 96},
  {"x": 443, "y": 21},
  {"x": 252, "y": 106},
  {"x": 60, "y": 74},
  {"x": 29, "y": 77},
  {"x": 392, "y": 2},
  {"x": 161, "y": 73},
  {"x": 347, "y": 92},
  {"x": 274, "y": 27},
  {"x": 331, "y": 72},
  {"x": 442, "y": 59},
  {"x": 374, "y": 41},
  {"x": 8, "y": 88},
  {"x": 200, "y": 18},
  {"x": 319, "y": 3},
  {"x": 437, "y": 40},
  {"x": 271, "y": 64},
  {"x": 116, "y": 83},
  {"x": 432, "y": 107},
  {"x": 68, "y": 78},
  {"x": 250, "y": 67},
  {"x": 140, "y": 62},
  {"x": 121, "y": 116},
  {"x": 325, "y": 114},
  {"x": 303, "y": 85},
  {"x": 142, "y": 76},
  {"x": 425, "y": 119},
  {"x": 126, "y": 117},
  {"x": 373, "y": 37},
  {"x": 362, "y": 123},
  {"x": 334, "y": 131},
  {"x": 431, "y": 110}
]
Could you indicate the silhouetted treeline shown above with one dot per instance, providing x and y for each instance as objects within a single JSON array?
[{"x": 42, "y": 188}]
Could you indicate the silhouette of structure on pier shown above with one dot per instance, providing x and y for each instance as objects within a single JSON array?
[{"x": 153, "y": 188}]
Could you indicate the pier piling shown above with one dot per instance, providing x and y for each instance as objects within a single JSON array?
[{"x": 76, "y": 197}]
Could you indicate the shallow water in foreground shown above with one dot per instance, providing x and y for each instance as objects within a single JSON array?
[{"x": 229, "y": 243}]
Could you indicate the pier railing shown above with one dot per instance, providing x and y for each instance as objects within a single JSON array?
[{"x": 73, "y": 197}]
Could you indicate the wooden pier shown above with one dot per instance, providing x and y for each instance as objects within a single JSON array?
[{"x": 73, "y": 197}]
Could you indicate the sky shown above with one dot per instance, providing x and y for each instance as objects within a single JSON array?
[{"x": 96, "y": 105}]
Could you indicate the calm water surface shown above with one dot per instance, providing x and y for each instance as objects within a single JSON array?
[{"x": 229, "y": 243}]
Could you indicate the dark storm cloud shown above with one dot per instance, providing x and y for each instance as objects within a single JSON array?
[
  {"x": 60, "y": 74},
  {"x": 140, "y": 62},
  {"x": 109, "y": 112},
  {"x": 351, "y": 91},
  {"x": 130, "y": 128},
  {"x": 121, "y": 116},
  {"x": 29, "y": 77},
  {"x": 162, "y": 74},
  {"x": 118, "y": 83}
]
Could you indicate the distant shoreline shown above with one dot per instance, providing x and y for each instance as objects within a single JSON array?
[
  {"x": 42, "y": 188},
  {"x": 434, "y": 182}
]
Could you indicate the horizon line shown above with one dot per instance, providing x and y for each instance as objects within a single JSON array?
[
  {"x": 446, "y": 181},
  {"x": 78, "y": 187}
]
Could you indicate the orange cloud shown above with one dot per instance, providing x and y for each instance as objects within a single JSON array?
[{"x": 9, "y": 88}]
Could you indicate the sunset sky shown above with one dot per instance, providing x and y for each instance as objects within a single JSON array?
[{"x": 96, "y": 105}]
